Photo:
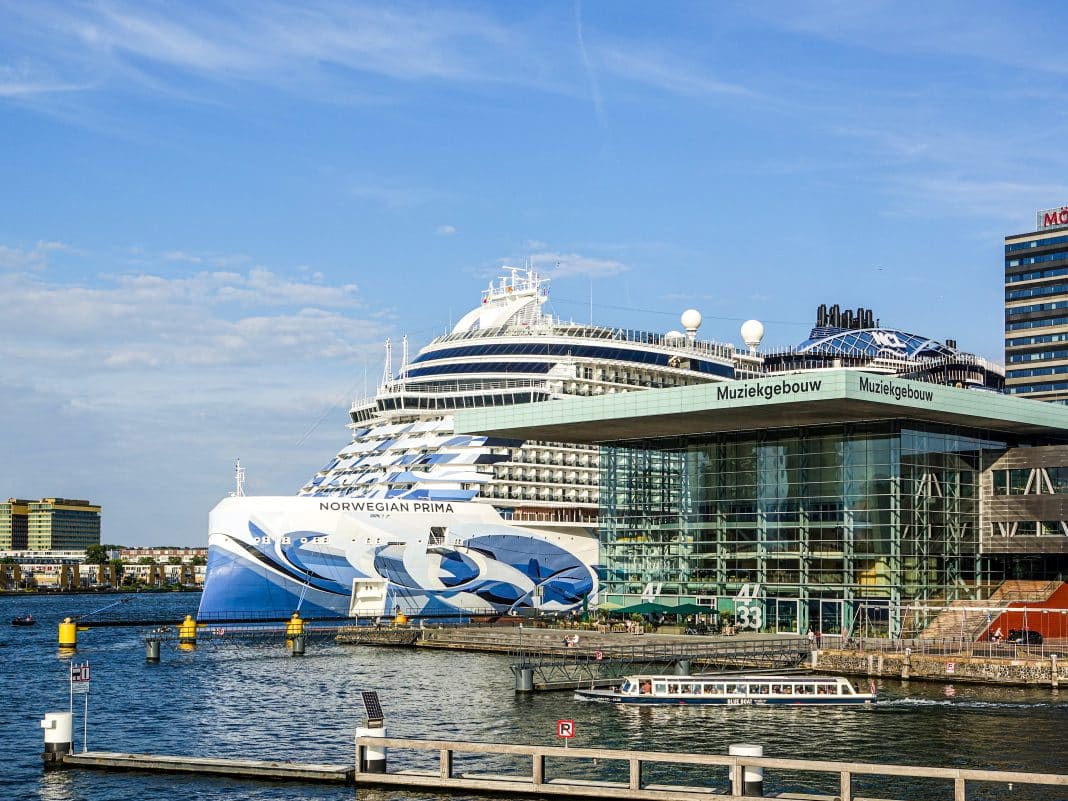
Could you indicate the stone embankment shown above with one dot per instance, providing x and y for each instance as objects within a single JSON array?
[{"x": 1049, "y": 671}]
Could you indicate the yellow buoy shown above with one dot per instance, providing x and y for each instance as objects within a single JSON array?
[
  {"x": 68, "y": 634},
  {"x": 187, "y": 631},
  {"x": 401, "y": 619},
  {"x": 294, "y": 626}
]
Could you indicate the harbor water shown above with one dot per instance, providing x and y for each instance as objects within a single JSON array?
[{"x": 232, "y": 697}]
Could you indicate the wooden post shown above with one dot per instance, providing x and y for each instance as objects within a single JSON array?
[
  {"x": 635, "y": 773},
  {"x": 1054, "y": 677},
  {"x": 539, "y": 769},
  {"x": 958, "y": 789},
  {"x": 845, "y": 786},
  {"x": 737, "y": 780},
  {"x": 446, "y": 764}
]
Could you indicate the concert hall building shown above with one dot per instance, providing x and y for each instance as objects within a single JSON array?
[{"x": 839, "y": 498}]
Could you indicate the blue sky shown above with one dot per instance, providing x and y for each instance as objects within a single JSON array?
[{"x": 213, "y": 214}]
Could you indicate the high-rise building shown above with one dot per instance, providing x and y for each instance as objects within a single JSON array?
[
  {"x": 14, "y": 520},
  {"x": 62, "y": 524},
  {"x": 1036, "y": 309}
]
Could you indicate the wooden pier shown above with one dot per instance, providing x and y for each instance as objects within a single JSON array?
[
  {"x": 210, "y": 766},
  {"x": 551, "y": 771},
  {"x": 725, "y": 773}
]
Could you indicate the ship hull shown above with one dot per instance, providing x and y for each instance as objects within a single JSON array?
[{"x": 369, "y": 558}]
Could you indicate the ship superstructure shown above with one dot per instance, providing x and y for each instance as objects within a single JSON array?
[{"x": 505, "y": 351}]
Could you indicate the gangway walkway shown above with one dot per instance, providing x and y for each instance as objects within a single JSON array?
[{"x": 561, "y": 668}]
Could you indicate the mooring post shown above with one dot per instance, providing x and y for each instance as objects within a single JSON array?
[
  {"x": 748, "y": 780},
  {"x": 371, "y": 758},
  {"x": 446, "y": 764},
  {"x": 187, "y": 632},
  {"x": 58, "y": 737},
  {"x": 538, "y": 772},
  {"x": 152, "y": 648},
  {"x": 68, "y": 634},
  {"x": 524, "y": 680},
  {"x": 1054, "y": 678},
  {"x": 682, "y": 666},
  {"x": 297, "y": 647},
  {"x": 906, "y": 665}
]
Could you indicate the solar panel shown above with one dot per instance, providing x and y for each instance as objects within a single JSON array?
[{"x": 372, "y": 706}]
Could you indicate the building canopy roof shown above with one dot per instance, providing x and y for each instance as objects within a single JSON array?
[{"x": 802, "y": 399}]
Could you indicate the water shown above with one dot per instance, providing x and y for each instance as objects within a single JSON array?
[{"x": 239, "y": 699}]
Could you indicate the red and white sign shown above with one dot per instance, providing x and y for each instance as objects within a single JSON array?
[
  {"x": 950, "y": 667},
  {"x": 565, "y": 729},
  {"x": 1053, "y": 217}
]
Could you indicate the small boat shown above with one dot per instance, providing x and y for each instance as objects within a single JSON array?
[
  {"x": 23, "y": 620},
  {"x": 734, "y": 691}
]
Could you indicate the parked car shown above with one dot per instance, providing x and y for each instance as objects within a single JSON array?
[{"x": 1024, "y": 637}]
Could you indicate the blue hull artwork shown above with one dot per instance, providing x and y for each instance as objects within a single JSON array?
[{"x": 364, "y": 559}]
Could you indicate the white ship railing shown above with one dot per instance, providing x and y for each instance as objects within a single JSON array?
[{"x": 577, "y": 331}]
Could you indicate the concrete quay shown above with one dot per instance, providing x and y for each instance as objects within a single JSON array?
[{"x": 1049, "y": 670}]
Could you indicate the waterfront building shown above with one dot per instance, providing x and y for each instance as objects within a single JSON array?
[
  {"x": 1036, "y": 309},
  {"x": 62, "y": 524},
  {"x": 14, "y": 524},
  {"x": 834, "y": 498},
  {"x": 538, "y": 497}
]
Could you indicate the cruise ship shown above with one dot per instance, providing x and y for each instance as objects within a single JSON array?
[{"x": 410, "y": 517}]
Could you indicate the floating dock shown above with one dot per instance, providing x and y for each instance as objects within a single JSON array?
[{"x": 210, "y": 766}]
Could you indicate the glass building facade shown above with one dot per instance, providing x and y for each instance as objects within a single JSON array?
[
  {"x": 1036, "y": 309},
  {"x": 834, "y": 526}
]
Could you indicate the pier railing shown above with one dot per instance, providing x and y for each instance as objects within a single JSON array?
[
  {"x": 951, "y": 646},
  {"x": 727, "y": 773}
]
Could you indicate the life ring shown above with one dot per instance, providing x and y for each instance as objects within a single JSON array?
[{"x": 598, "y": 655}]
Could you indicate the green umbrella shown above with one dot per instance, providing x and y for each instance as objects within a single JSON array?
[{"x": 644, "y": 608}]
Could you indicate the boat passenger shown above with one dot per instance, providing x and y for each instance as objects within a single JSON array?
[{"x": 646, "y": 688}]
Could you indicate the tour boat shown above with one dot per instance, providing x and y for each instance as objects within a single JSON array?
[{"x": 755, "y": 690}]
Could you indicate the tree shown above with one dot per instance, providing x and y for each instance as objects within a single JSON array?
[
  {"x": 174, "y": 560},
  {"x": 198, "y": 560},
  {"x": 96, "y": 555},
  {"x": 146, "y": 560}
]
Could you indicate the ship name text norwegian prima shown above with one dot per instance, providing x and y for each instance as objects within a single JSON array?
[{"x": 410, "y": 516}]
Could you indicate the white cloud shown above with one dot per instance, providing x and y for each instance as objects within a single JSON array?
[
  {"x": 663, "y": 70},
  {"x": 34, "y": 258},
  {"x": 446, "y": 230},
  {"x": 178, "y": 255}
]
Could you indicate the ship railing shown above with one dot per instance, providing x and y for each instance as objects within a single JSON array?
[
  {"x": 889, "y": 358},
  {"x": 549, "y": 326}
]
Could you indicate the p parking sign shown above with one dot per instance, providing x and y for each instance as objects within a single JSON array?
[{"x": 565, "y": 729}]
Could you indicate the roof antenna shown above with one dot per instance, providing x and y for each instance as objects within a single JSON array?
[
  {"x": 387, "y": 368},
  {"x": 239, "y": 480},
  {"x": 404, "y": 355},
  {"x": 591, "y": 296}
]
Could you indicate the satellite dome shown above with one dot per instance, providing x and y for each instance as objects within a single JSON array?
[
  {"x": 691, "y": 319},
  {"x": 752, "y": 333},
  {"x": 674, "y": 335}
]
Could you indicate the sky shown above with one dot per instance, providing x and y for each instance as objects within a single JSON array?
[{"x": 212, "y": 215}]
